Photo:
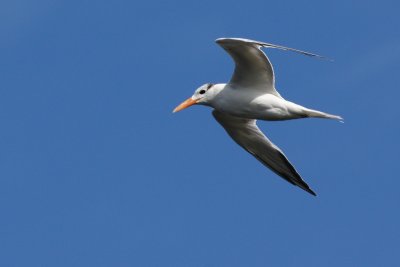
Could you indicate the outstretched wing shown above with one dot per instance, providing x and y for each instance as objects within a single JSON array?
[
  {"x": 246, "y": 133},
  {"x": 252, "y": 67}
]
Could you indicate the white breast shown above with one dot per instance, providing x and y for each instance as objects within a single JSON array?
[{"x": 249, "y": 104}]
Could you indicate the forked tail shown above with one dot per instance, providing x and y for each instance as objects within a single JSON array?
[{"x": 318, "y": 114}]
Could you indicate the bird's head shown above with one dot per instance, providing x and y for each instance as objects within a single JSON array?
[{"x": 202, "y": 96}]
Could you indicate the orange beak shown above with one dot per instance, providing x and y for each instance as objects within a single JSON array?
[{"x": 185, "y": 104}]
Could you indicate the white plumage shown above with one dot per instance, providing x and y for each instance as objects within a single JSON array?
[{"x": 251, "y": 95}]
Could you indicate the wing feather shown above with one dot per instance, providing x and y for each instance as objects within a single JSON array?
[
  {"x": 253, "y": 69},
  {"x": 246, "y": 133}
]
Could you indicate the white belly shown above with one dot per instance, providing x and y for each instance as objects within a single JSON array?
[{"x": 263, "y": 107}]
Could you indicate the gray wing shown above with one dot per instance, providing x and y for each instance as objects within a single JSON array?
[
  {"x": 252, "y": 67},
  {"x": 246, "y": 133}
]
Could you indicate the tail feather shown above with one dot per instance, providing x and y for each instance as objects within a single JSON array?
[{"x": 318, "y": 114}]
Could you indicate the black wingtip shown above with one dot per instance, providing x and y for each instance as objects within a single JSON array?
[
  {"x": 313, "y": 193},
  {"x": 322, "y": 57},
  {"x": 309, "y": 191}
]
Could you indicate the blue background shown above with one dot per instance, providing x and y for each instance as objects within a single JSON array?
[{"x": 95, "y": 170}]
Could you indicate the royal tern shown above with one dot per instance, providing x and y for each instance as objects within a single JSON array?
[{"x": 250, "y": 95}]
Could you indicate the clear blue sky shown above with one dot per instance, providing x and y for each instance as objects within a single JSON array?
[{"x": 95, "y": 170}]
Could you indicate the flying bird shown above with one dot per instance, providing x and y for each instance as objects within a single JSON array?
[{"x": 249, "y": 96}]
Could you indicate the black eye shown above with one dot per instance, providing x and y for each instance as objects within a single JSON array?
[{"x": 202, "y": 91}]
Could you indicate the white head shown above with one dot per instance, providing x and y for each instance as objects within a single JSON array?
[{"x": 202, "y": 96}]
